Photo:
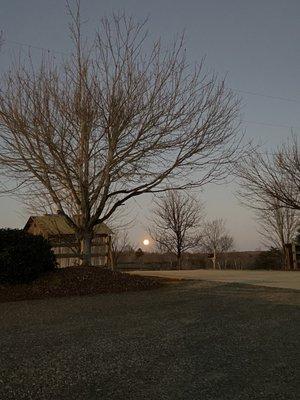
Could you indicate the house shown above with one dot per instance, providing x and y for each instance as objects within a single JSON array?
[{"x": 56, "y": 229}]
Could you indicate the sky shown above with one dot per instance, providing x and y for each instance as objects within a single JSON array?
[{"x": 255, "y": 44}]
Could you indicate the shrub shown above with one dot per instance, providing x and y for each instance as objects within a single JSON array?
[
  {"x": 270, "y": 259},
  {"x": 23, "y": 257}
]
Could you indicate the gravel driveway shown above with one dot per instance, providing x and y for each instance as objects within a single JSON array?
[
  {"x": 278, "y": 279},
  {"x": 188, "y": 340}
]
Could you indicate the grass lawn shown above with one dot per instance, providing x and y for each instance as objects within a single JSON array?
[{"x": 76, "y": 281}]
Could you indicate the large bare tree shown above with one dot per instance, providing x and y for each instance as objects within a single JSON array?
[
  {"x": 119, "y": 117},
  {"x": 266, "y": 177},
  {"x": 216, "y": 239},
  {"x": 176, "y": 223}
]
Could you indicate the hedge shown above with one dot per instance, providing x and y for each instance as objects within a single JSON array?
[{"x": 23, "y": 257}]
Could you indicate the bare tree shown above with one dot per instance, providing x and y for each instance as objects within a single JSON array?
[
  {"x": 216, "y": 239},
  {"x": 176, "y": 223},
  {"x": 277, "y": 226},
  {"x": 112, "y": 122},
  {"x": 120, "y": 223},
  {"x": 270, "y": 185},
  {"x": 297, "y": 236},
  {"x": 120, "y": 243},
  {"x": 268, "y": 177}
]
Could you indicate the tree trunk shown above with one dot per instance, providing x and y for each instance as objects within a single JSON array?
[
  {"x": 112, "y": 257},
  {"x": 86, "y": 250},
  {"x": 113, "y": 260},
  {"x": 113, "y": 264},
  {"x": 285, "y": 258},
  {"x": 214, "y": 259},
  {"x": 179, "y": 261}
]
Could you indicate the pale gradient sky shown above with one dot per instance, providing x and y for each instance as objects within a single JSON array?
[{"x": 256, "y": 43}]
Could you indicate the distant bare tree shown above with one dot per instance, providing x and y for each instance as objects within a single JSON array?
[
  {"x": 216, "y": 239},
  {"x": 268, "y": 177},
  {"x": 176, "y": 223},
  {"x": 297, "y": 236},
  {"x": 120, "y": 223},
  {"x": 278, "y": 226},
  {"x": 270, "y": 185},
  {"x": 120, "y": 242},
  {"x": 112, "y": 122}
]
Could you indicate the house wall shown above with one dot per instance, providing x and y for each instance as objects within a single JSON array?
[
  {"x": 66, "y": 248},
  {"x": 35, "y": 229},
  {"x": 69, "y": 255}
]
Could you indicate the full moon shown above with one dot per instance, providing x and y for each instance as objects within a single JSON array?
[{"x": 146, "y": 242}]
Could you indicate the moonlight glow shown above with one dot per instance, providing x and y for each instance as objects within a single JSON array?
[{"x": 146, "y": 242}]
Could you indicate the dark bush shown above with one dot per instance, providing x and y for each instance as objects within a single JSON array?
[
  {"x": 23, "y": 257},
  {"x": 270, "y": 259}
]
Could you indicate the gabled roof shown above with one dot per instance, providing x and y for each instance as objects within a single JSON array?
[{"x": 55, "y": 224}]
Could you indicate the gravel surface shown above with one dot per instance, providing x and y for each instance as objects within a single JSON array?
[
  {"x": 188, "y": 340},
  {"x": 278, "y": 279}
]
